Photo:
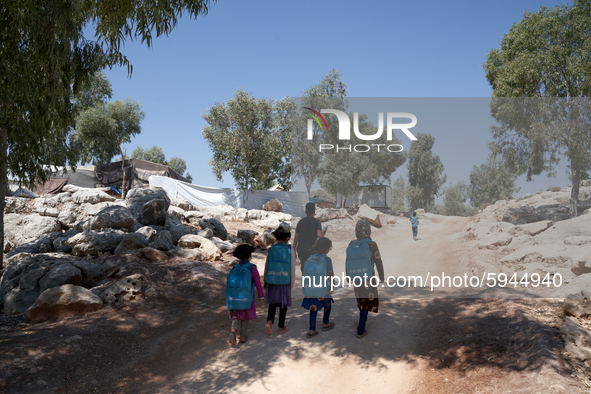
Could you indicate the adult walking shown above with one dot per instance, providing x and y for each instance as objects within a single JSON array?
[
  {"x": 367, "y": 293},
  {"x": 308, "y": 230}
]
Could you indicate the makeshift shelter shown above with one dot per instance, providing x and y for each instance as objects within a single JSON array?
[
  {"x": 294, "y": 203},
  {"x": 375, "y": 196},
  {"x": 137, "y": 173}
]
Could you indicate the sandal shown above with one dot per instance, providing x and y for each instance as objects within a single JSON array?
[
  {"x": 362, "y": 335},
  {"x": 282, "y": 330},
  {"x": 311, "y": 334},
  {"x": 268, "y": 330},
  {"x": 242, "y": 340},
  {"x": 232, "y": 338},
  {"x": 328, "y": 328}
]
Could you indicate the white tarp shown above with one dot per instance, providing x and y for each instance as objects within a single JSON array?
[{"x": 294, "y": 203}]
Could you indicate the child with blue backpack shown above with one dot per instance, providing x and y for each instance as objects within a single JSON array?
[
  {"x": 316, "y": 296},
  {"x": 363, "y": 252},
  {"x": 241, "y": 283},
  {"x": 278, "y": 275}
]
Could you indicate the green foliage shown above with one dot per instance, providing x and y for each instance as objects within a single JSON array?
[
  {"x": 249, "y": 137},
  {"x": 306, "y": 158},
  {"x": 490, "y": 182},
  {"x": 454, "y": 201},
  {"x": 425, "y": 173},
  {"x": 103, "y": 128},
  {"x": 398, "y": 191},
  {"x": 177, "y": 164},
  {"x": 155, "y": 154},
  {"x": 546, "y": 54}
]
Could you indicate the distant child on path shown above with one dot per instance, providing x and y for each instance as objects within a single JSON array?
[
  {"x": 321, "y": 247},
  {"x": 240, "y": 318},
  {"x": 415, "y": 225},
  {"x": 280, "y": 264}
]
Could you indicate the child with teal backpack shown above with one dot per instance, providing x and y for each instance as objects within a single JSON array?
[
  {"x": 278, "y": 279},
  {"x": 316, "y": 281},
  {"x": 241, "y": 283}
]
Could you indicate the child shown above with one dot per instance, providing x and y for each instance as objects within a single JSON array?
[
  {"x": 321, "y": 247},
  {"x": 415, "y": 225},
  {"x": 240, "y": 318},
  {"x": 278, "y": 282}
]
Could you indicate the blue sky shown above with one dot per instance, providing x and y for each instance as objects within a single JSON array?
[{"x": 275, "y": 49}]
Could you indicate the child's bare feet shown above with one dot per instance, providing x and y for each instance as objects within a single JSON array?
[
  {"x": 282, "y": 330},
  {"x": 268, "y": 329}
]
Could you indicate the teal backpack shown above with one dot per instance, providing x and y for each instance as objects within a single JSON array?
[
  {"x": 315, "y": 270},
  {"x": 278, "y": 265},
  {"x": 358, "y": 260},
  {"x": 239, "y": 288}
]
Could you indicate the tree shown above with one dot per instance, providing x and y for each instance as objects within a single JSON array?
[
  {"x": 425, "y": 173},
  {"x": 306, "y": 158},
  {"x": 398, "y": 190},
  {"x": 44, "y": 60},
  {"x": 155, "y": 154},
  {"x": 454, "y": 201},
  {"x": 103, "y": 128},
  {"x": 249, "y": 137},
  {"x": 490, "y": 182},
  {"x": 547, "y": 54}
]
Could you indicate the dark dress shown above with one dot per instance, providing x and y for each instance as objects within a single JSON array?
[{"x": 367, "y": 297}]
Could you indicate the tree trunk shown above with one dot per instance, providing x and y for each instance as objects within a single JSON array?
[
  {"x": 574, "y": 193},
  {"x": 124, "y": 180},
  {"x": 3, "y": 183}
]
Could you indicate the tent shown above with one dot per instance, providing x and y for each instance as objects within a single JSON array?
[
  {"x": 375, "y": 196},
  {"x": 294, "y": 203},
  {"x": 137, "y": 173}
]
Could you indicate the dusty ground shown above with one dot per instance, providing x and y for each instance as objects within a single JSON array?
[{"x": 418, "y": 343}]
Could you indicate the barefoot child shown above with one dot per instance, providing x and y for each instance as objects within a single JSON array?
[
  {"x": 314, "y": 302},
  {"x": 278, "y": 279},
  {"x": 242, "y": 280}
]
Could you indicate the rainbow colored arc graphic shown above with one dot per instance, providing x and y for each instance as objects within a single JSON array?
[{"x": 315, "y": 115}]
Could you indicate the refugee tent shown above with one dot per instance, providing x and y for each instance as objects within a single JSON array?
[
  {"x": 137, "y": 173},
  {"x": 375, "y": 196},
  {"x": 294, "y": 203}
]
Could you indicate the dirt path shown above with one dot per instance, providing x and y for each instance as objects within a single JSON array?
[{"x": 416, "y": 344}]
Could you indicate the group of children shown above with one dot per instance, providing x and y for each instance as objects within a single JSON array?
[{"x": 279, "y": 274}]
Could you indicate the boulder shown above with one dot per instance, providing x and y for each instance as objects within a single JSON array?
[
  {"x": 191, "y": 241},
  {"x": 222, "y": 245},
  {"x": 268, "y": 238},
  {"x": 59, "y": 275},
  {"x": 178, "y": 231},
  {"x": 206, "y": 246},
  {"x": 191, "y": 254},
  {"x": 93, "y": 271},
  {"x": 64, "y": 301},
  {"x": 154, "y": 254},
  {"x": 163, "y": 241},
  {"x": 193, "y": 217},
  {"x": 420, "y": 210},
  {"x": 138, "y": 198},
  {"x": 247, "y": 236},
  {"x": 19, "y": 229},
  {"x": 326, "y": 214},
  {"x": 148, "y": 232},
  {"x": 16, "y": 205},
  {"x": 176, "y": 212},
  {"x": 206, "y": 233},
  {"x": 114, "y": 217},
  {"x": 125, "y": 289},
  {"x": 131, "y": 242},
  {"x": 93, "y": 242},
  {"x": 578, "y": 305},
  {"x": 273, "y": 205},
  {"x": 154, "y": 212},
  {"x": 216, "y": 226},
  {"x": 371, "y": 215},
  {"x": 42, "y": 244},
  {"x": 23, "y": 278},
  {"x": 91, "y": 196},
  {"x": 60, "y": 243},
  {"x": 521, "y": 215},
  {"x": 182, "y": 204},
  {"x": 577, "y": 340}
]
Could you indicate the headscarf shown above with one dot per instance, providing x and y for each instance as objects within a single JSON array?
[{"x": 362, "y": 230}]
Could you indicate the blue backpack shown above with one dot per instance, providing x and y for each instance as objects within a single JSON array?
[
  {"x": 239, "y": 288},
  {"x": 278, "y": 265},
  {"x": 315, "y": 284},
  {"x": 358, "y": 260}
]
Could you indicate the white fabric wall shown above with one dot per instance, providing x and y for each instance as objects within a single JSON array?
[{"x": 294, "y": 203}]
